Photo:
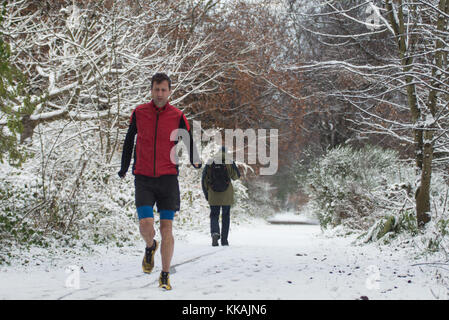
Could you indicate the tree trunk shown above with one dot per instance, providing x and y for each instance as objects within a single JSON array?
[
  {"x": 28, "y": 128},
  {"x": 423, "y": 194},
  {"x": 422, "y": 135}
]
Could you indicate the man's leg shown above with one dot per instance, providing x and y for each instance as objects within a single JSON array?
[
  {"x": 146, "y": 224},
  {"x": 214, "y": 225},
  {"x": 168, "y": 197},
  {"x": 214, "y": 214},
  {"x": 225, "y": 221},
  {"x": 168, "y": 243},
  {"x": 146, "y": 227},
  {"x": 144, "y": 203}
]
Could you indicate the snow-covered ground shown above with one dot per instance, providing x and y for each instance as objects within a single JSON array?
[
  {"x": 291, "y": 218},
  {"x": 263, "y": 261}
]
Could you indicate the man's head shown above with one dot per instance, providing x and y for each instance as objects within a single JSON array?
[{"x": 160, "y": 89}]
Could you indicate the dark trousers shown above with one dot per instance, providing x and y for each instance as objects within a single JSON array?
[{"x": 225, "y": 220}]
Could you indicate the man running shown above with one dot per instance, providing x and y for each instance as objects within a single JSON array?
[{"x": 156, "y": 174}]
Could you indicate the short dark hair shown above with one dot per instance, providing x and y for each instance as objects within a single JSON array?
[{"x": 159, "y": 77}]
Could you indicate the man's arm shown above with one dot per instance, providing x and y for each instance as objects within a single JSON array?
[
  {"x": 128, "y": 146},
  {"x": 194, "y": 156}
]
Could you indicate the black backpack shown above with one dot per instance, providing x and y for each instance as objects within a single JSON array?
[{"x": 219, "y": 177}]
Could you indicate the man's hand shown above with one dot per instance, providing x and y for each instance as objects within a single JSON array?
[
  {"x": 197, "y": 165},
  {"x": 121, "y": 174}
]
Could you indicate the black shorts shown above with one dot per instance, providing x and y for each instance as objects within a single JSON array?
[{"x": 162, "y": 191}]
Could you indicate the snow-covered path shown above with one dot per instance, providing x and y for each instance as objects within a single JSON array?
[{"x": 263, "y": 261}]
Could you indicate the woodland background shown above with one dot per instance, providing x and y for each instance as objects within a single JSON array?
[{"x": 358, "y": 90}]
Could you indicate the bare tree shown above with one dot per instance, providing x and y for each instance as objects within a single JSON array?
[
  {"x": 88, "y": 64},
  {"x": 94, "y": 62},
  {"x": 396, "y": 54}
]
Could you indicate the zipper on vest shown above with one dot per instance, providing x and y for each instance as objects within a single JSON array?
[{"x": 155, "y": 141}]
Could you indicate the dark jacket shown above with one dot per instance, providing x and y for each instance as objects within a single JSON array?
[
  {"x": 225, "y": 198},
  {"x": 153, "y": 127}
]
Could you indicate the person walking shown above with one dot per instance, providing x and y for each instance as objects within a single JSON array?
[
  {"x": 156, "y": 173},
  {"x": 217, "y": 186}
]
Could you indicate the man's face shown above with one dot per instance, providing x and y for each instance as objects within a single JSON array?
[{"x": 160, "y": 93}]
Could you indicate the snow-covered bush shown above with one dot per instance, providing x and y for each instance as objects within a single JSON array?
[
  {"x": 355, "y": 187},
  {"x": 390, "y": 225},
  {"x": 17, "y": 221},
  {"x": 66, "y": 194},
  {"x": 401, "y": 229},
  {"x": 397, "y": 226},
  {"x": 69, "y": 195},
  {"x": 371, "y": 191},
  {"x": 435, "y": 236}
]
